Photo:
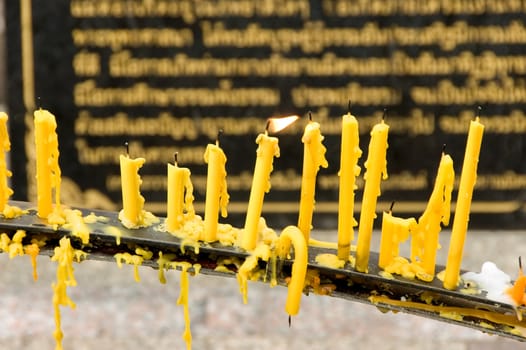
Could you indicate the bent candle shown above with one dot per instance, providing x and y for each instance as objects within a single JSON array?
[
  {"x": 292, "y": 235},
  {"x": 468, "y": 178}
]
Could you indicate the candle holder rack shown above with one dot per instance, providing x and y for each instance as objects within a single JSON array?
[{"x": 425, "y": 299}]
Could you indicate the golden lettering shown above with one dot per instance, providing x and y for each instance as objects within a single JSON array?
[
  {"x": 315, "y": 37},
  {"x": 514, "y": 123},
  {"x": 304, "y": 96},
  {"x": 504, "y": 91},
  {"x": 507, "y": 181},
  {"x": 486, "y": 66},
  {"x": 118, "y": 38},
  {"x": 189, "y": 11},
  {"x": 86, "y": 63},
  {"x": 344, "y": 8},
  {"x": 98, "y": 155},
  {"x": 87, "y": 93}
]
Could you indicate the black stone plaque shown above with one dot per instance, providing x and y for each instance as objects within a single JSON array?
[{"x": 167, "y": 75}]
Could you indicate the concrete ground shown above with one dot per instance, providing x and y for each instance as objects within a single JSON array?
[{"x": 115, "y": 312}]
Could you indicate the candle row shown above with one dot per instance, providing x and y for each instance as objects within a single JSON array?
[
  {"x": 395, "y": 230},
  {"x": 425, "y": 232},
  {"x": 48, "y": 172}
]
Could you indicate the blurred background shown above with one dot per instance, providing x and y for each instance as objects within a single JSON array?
[{"x": 431, "y": 83}]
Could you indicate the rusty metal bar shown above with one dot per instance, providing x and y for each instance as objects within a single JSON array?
[{"x": 426, "y": 299}]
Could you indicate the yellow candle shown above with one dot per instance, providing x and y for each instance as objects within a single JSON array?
[
  {"x": 465, "y": 191},
  {"x": 216, "y": 190},
  {"x": 313, "y": 158},
  {"x": 180, "y": 196},
  {"x": 349, "y": 169},
  {"x": 267, "y": 149},
  {"x": 5, "y": 146},
  {"x": 48, "y": 170},
  {"x": 132, "y": 200},
  {"x": 376, "y": 169},
  {"x": 292, "y": 234},
  {"x": 425, "y": 243},
  {"x": 394, "y": 231}
]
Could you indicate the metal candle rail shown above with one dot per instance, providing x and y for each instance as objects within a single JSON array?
[{"x": 426, "y": 299}]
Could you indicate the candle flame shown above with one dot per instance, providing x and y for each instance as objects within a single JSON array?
[{"x": 277, "y": 124}]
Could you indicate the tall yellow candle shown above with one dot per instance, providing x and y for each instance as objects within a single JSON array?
[
  {"x": 313, "y": 159},
  {"x": 132, "y": 200},
  {"x": 292, "y": 235},
  {"x": 267, "y": 149},
  {"x": 180, "y": 196},
  {"x": 468, "y": 178},
  {"x": 394, "y": 231},
  {"x": 425, "y": 243},
  {"x": 216, "y": 190},
  {"x": 349, "y": 169},
  {"x": 376, "y": 170},
  {"x": 48, "y": 170},
  {"x": 5, "y": 146}
]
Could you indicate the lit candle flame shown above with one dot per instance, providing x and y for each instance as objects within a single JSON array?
[{"x": 277, "y": 124}]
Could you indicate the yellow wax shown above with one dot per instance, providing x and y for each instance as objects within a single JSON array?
[
  {"x": 349, "y": 169},
  {"x": 132, "y": 201},
  {"x": 425, "y": 243},
  {"x": 33, "y": 250},
  {"x": 249, "y": 268},
  {"x": 376, "y": 169},
  {"x": 5, "y": 146},
  {"x": 77, "y": 225},
  {"x": 64, "y": 255},
  {"x": 394, "y": 231},
  {"x": 452, "y": 311},
  {"x": 267, "y": 149},
  {"x": 48, "y": 170},
  {"x": 183, "y": 300},
  {"x": 291, "y": 234},
  {"x": 180, "y": 196},
  {"x": 468, "y": 178},
  {"x": 216, "y": 191},
  {"x": 313, "y": 158}
]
